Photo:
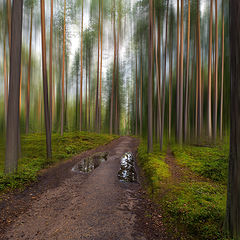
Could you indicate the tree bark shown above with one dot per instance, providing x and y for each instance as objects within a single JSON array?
[
  {"x": 12, "y": 140},
  {"x": 45, "y": 83},
  {"x": 136, "y": 126},
  {"x": 100, "y": 90},
  {"x": 216, "y": 74},
  {"x": 210, "y": 73},
  {"x": 29, "y": 77},
  {"x": 81, "y": 74},
  {"x": 221, "y": 104},
  {"x": 187, "y": 77},
  {"x": 50, "y": 65},
  {"x": 150, "y": 78},
  {"x": 232, "y": 223}
]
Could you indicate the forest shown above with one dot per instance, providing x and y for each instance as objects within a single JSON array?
[{"x": 119, "y": 119}]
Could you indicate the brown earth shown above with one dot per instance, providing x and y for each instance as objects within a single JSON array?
[{"x": 67, "y": 205}]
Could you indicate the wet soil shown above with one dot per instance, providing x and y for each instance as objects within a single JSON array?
[{"x": 65, "y": 204}]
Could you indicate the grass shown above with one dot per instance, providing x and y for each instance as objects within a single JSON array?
[
  {"x": 33, "y": 155},
  {"x": 196, "y": 205},
  {"x": 154, "y": 167}
]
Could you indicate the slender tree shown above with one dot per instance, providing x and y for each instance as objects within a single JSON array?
[
  {"x": 45, "y": 83},
  {"x": 29, "y": 75},
  {"x": 150, "y": 78},
  {"x": 12, "y": 140},
  {"x": 81, "y": 73},
  {"x": 50, "y": 66},
  {"x": 216, "y": 73},
  {"x": 210, "y": 73},
  {"x": 221, "y": 104}
]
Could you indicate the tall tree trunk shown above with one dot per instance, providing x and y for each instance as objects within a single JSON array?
[
  {"x": 141, "y": 93},
  {"x": 113, "y": 76},
  {"x": 181, "y": 81},
  {"x": 221, "y": 106},
  {"x": 164, "y": 81},
  {"x": 29, "y": 76},
  {"x": 199, "y": 73},
  {"x": 63, "y": 68},
  {"x": 5, "y": 81},
  {"x": 197, "y": 86},
  {"x": 177, "y": 75},
  {"x": 150, "y": 78},
  {"x": 76, "y": 108},
  {"x": 86, "y": 92},
  {"x": 216, "y": 74},
  {"x": 50, "y": 65},
  {"x": 89, "y": 91},
  {"x": 97, "y": 90},
  {"x": 170, "y": 92},
  {"x": 210, "y": 73},
  {"x": 100, "y": 96},
  {"x": 233, "y": 204},
  {"x": 187, "y": 77},
  {"x": 45, "y": 83},
  {"x": 136, "y": 126},
  {"x": 12, "y": 140},
  {"x": 81, "y": 74}
]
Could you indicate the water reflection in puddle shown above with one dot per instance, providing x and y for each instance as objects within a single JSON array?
[
  {"x": 89, "y": 164},
  {"x": 127, "y": 171}
]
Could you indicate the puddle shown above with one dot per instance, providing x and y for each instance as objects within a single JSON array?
[
  {"x": 127, "y": 171},
  {"x": 89, "y": 164}
]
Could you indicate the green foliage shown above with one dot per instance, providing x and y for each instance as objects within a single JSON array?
[
  {"x": 198, "y": 208},
  {"x": 210, "y": 162},
  {"x": 153, "y": 165},
  {"x": 34, "y": 155}
]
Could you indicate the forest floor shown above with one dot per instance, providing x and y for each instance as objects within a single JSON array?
[{"x": 65, "y": 204}]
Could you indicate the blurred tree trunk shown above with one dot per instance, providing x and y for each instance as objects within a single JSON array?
[
  {"x": 164, "y": 82},
  {"x": 141, "y": 93},
  {"x": 136, "y": 130},
  {"x": 86, "y": 92},
  {"x": 63, "y": 68},
  {"x": 81, "y": 74},
  {"x": 197, "y": 85},
  {"x": 187, "y": 76},
  {"x": 5, "y": 80},
  {"x": 210, "y": 73},
  {"x": 76, "y": 107},
  {"x": 233, "y": 204},
  {"x": 199, "y": 71},
  {"x": 89, "y": 90},
  {"x": 45, "y": 83},
  {"x": 180, "y": 130},
  {"x": 113, "y": 75},
  {"x": 150, "y": 78},
  {"x": 177, "y": 75},
  {"x": 221, "y": 104},
  {"x": 97, "y": 90},
  {"x": 50, "y": 65},
  {"x": 216, "y": 74},
  {"x": 100, "y": 97},
  {"x": 29, "y": 77},
  {"x": 12, "y": 140}
]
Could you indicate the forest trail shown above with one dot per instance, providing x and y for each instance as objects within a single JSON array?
[{"x": 86, "y": 206}]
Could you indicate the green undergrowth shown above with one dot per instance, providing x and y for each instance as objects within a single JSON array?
[
  {"x": 155, "y": 169},
  {"x": 208, "y": 161},
  {"x": 194, "y": 205},
  {"x": 33, "y": 155}
]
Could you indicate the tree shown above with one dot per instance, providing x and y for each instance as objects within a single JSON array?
[
  {"x": 210, "y": 73},
  {"x": 50, "y": 66},
  {"x": 63, "y": 68},
  {"x": 45, "y": 83},
  {"x": 12, "y": 140},
  {"x": 150, "y": 78},
  {"x": 216, "y": 74},
  {"x": 233, "y": 194},
  {"x": 81, "y": 76},
  {"x": 221, "y": 104}
]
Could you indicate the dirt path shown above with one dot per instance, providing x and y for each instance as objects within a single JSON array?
[{"x": 67, "y": 205}]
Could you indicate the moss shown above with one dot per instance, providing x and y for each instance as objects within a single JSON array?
[
  {"x": 33, "y": 156},
  {"x": 155, "y": 169},
  {"x": 210, "y": 162}
]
